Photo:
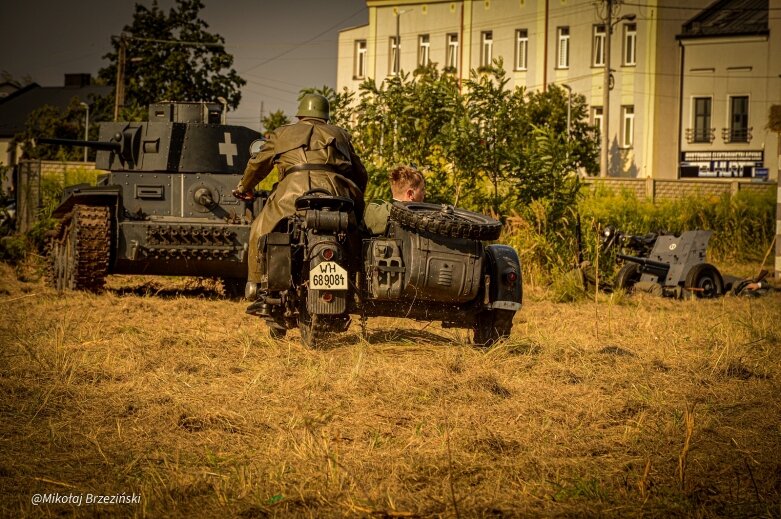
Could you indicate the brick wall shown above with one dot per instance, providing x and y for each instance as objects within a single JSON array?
[
  {"x": 67, "y": 172},
  {"x": 680, "y": 188}
]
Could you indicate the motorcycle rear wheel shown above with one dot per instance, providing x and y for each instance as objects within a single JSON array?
[{"x": 491, "y": 326}]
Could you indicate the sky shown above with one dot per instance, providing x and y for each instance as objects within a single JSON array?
[{"x": 279, "y": 46}]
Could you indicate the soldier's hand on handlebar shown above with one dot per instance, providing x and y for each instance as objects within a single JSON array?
[{"x": 243, "y": 195}]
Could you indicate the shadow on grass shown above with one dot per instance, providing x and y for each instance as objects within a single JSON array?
[
  {"x": 152, "y": 289},
  {"x": 408, "y": 336}
]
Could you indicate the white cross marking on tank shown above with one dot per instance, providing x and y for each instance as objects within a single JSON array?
[{"x": 228, "y": 149}]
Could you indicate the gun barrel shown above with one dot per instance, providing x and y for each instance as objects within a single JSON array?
[
  {"x": 97, "y": 145},
  {"x": 656, "y": 267}
]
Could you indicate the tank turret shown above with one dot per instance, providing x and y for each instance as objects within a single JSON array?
[{"x": 166, "y": 199}]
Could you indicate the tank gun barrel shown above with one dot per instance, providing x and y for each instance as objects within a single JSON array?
[{"x": 97, "y": 145}]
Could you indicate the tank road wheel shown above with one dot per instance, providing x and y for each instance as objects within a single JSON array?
[
  {"x": 492, "y": 325},
  {"x": 78, "y": 253},
  {"x": 704, "y": 281},
  {"x": 445, "y": 220},
  {"x": 627, "y": 277}
]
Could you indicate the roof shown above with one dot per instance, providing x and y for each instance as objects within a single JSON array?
[
  {"x": 16, "y": 107},
  {"x": 728, "y": 18}
]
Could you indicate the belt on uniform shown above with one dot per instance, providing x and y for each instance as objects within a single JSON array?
[{"x": 313, "y": 167}]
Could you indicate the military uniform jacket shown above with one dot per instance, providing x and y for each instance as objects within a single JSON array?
[{"x": 308, "y": 142}]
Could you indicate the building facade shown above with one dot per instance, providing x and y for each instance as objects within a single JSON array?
[
  {"x": 655, "y": 68},
  {"x": 730, "y": 81}
]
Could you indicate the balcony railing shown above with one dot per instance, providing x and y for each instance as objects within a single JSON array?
[
  {"x": 733, "y": 135},
  {"x": 701, "y": 135}
]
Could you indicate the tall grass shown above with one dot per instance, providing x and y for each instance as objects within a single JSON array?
[{"x": 743, "y": 228}]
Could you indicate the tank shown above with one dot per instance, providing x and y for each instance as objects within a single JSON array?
[{"x": 165, "y": 206}]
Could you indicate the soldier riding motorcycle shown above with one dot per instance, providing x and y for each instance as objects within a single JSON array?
[{"x": 311, "y": 266}]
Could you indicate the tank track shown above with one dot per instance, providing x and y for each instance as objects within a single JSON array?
[{"x": 78, "y": 252}]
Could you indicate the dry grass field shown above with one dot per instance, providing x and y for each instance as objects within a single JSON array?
[{"x": 630, "y": 406}]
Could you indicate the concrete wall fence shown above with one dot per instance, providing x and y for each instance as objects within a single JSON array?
[{"x": 678, "y": 188}]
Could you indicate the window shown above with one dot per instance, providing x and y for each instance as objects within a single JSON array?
[
  {"x": 598, "y": 47},
  {"x": 596, "y": 118},
  {"x": 424, "y": 47},
  {"x": 521, "y": 48},
  {"x": 702, "y": 114},
  {"x": 393, "y": 57},
  {"x": 563, "y": 47},
  {"x": 359, "y": 71},
  {"x": 630, "y": 44},
  {"x": 487, "y": 48},
  {"x": 738, "y": 128},
  {"x": 627, "y": 126},
  {"x": 451, "y": 59}
]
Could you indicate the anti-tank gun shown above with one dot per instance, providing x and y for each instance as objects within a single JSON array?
[{"x": 165, "y": 205}]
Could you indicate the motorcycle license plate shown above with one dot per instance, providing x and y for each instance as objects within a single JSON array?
[{"x": 328, "y": 275}]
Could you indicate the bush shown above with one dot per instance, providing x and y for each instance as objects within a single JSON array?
[{"x": 13, "y": 249}]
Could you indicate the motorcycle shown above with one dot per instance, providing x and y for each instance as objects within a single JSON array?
[{"x": 434, "y": 262}]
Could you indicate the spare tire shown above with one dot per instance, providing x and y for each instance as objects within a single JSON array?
[{"x": 445, "y": 220}]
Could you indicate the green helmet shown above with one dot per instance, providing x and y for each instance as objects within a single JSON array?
[{"x": 314, "y": 105}]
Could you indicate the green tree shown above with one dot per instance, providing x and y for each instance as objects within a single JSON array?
[
  {"x": 274, "y": 120},
  {"x": 172, "y": 57},
  {"x": 49, "y": 121}
]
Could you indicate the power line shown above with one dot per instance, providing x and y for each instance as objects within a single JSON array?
[{"x": 313, "y": 38}]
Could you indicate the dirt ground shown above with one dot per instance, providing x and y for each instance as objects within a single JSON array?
[{"x": 171, "y": 396}]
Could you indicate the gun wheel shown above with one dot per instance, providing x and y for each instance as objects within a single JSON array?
[
  {"x": 445, "y": 220},
  {"x": 627, "y": 277},
  {"x": 78, "y": 252},
  {"x": 704, "y": 282},
  {"x": 491, "y": 326}
]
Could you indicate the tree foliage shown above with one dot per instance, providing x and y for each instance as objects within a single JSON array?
[
  {"x": 172, "y": 57},
  {"x": 481, "y": 145},
  {"x": 49, "y": 121},
  {"x": 274, "y": 120}
]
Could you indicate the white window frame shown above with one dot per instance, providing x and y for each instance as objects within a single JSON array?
[
  {"x": 598, "y": 46},
  {"x": 394, "y": 61},
  {"x": 731, "y": 115},
  {"x": 630, "y": 45},
  {"x": 706, "y": 130},
  {"x": 627, "y": 126},
  {"x": 424, "y": 50},
  {"x": 562, "y": 47},
  {"x": 486, "y": 48},
  {"x": 359, "y": 71},
  {"x": 521, "y": 49},
  {"x": 451, "y": 52},
  {"x": 597, "y": 118}
]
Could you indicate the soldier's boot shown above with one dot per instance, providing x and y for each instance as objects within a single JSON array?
[
  {"x": 251, "y": 291},
  {"x": 259, "y": 307}
]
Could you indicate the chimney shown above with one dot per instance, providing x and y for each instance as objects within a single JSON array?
[{"x": 77, "y": 80}]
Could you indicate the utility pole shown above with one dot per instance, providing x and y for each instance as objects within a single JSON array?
[
  {"x": 604, "y": 161},
  {"x": 119, "y": 89},
  {"x": 397, "y": 55},
  {"x": 86, "y": 127}
]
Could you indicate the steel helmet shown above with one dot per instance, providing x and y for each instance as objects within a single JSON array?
[{"x": 314, "y": 105}]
